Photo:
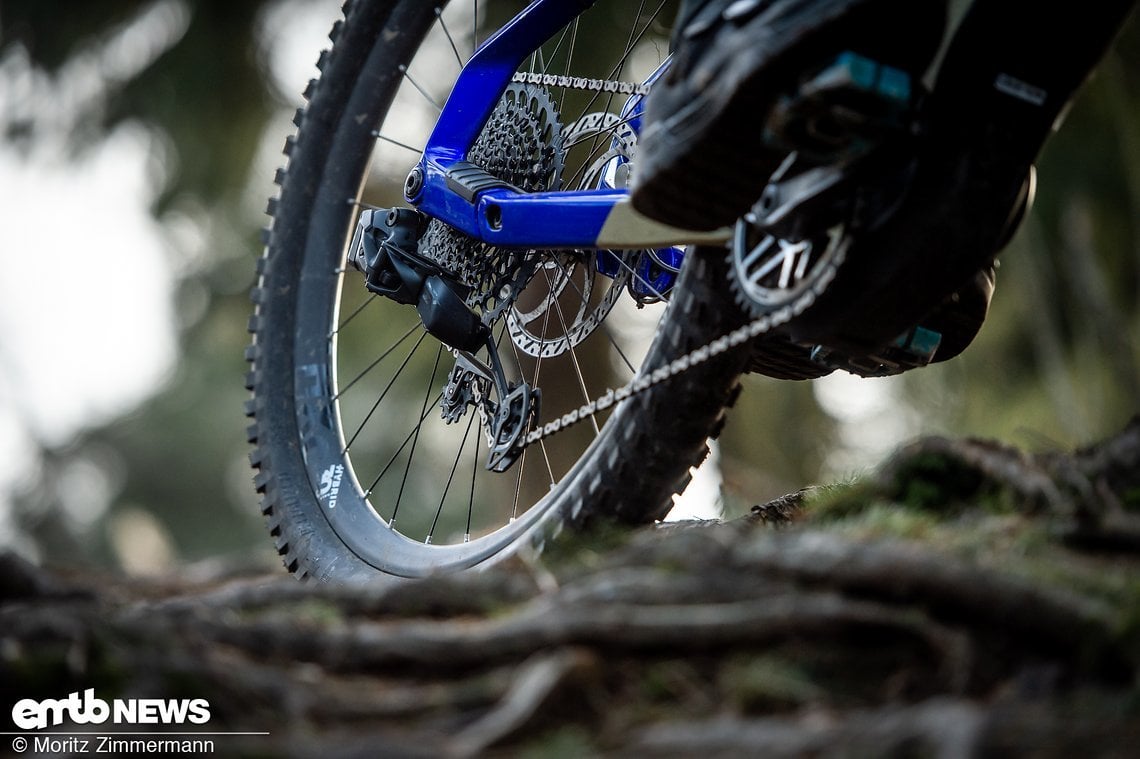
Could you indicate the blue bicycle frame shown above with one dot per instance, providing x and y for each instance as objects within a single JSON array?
[{"x": 449, "y": 189}]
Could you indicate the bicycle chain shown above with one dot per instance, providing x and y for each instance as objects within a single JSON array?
[
  {"x": 582, "y": 83},
  {"x": 695, "y": 357}
]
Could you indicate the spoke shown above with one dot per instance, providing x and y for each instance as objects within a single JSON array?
[
  {"x": 451, "y": 476},
  {"x": 377, "y": 135},
  {"x": 539, "y": 357},
  {"x": 475, "y": 27},
  {"x": 403, "y": 445},
  {"x": 534, "y": 383},
  {"x": 471, "y": 497},
  {"x": 625, "y": 54},
  {"x": 604, "y": 326},
  {"x": 376, "y": 362},
  {"x": 636, "y": 16},
  {"x": 518, "y": 486},
  {"x": 499, "y": 343},
  {"x": 569, "y": 58},
  {"x": 574, "y": 359},
  {"x": 357, "y": 203},
  {"x": 639, "y": 278},
  {"x": 573, "y": 44},
  {"x": 380, "y": 400},
  {"x": 613, "y": 341},
  {"x": 595, "y": 150},
  {"x": 557, "y": 47},
  {"x": 538, "y": 365},
  {"x": 356, "y": 312},
  {"x": 546, "y": 457},
  {"x": 416, "y": 438},
  {"x": 431, "y": 101},
  {"x": 631, "y": 42},
  {"x": 443, "y": 26}
]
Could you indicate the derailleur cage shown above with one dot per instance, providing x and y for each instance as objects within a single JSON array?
[{"x": 516, "y": 414}]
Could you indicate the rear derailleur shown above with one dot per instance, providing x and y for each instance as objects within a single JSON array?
[{"x": 384, "y": 249}]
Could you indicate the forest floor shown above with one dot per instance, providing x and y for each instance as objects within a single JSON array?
[{"x": 967, "y": 599}]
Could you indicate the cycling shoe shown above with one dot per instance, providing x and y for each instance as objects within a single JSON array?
[{"x": 702, "y": 160}]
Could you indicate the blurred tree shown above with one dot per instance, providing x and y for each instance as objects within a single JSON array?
[
  {"x": 207, "y": 92},
  {"x": 179, "y": 456}
]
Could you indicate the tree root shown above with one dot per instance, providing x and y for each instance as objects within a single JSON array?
[{"x": 712, "y": 640}]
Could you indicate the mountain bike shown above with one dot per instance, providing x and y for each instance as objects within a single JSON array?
[{"x": 466, "y": 339}]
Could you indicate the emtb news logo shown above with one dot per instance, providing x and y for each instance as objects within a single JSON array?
[{"x": 29, "y": 714}]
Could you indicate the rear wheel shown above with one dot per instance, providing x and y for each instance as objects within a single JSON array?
[{"x": 369, "y": 440}]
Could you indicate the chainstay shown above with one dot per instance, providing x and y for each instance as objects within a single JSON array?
[
  {"x": 643, "y": 383},
  {"x": 582, "y": 83}
]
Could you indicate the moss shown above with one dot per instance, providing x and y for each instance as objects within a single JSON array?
[
  {"x": 832, "y": 502},
  {"x": 765, "y": 683},
  {"x": 881, "y": 519},
  {"x": 316, "y": 612},
  {"x": 996, "y": 499},
  {"x": 933, "y": 482},
  {"x": 920, "y": 492},
  {"x": 585, "y": 549}
]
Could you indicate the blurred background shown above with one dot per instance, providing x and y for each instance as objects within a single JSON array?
[{"x": 139, "y": 140}]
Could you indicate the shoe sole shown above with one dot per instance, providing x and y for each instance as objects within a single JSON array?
[{"x": 679, "y": 176}]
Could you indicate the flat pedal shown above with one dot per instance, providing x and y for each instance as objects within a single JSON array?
[
  {"x": 912, "y": 350},
  {"x": 843, "y": 110}
]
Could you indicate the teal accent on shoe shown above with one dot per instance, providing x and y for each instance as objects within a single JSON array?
[{"x": 920, "y": 342}]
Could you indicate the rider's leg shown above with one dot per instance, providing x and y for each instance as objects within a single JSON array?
[
  {"x": 702, "y": 161},
  {"x": 984, "y": 124}
]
